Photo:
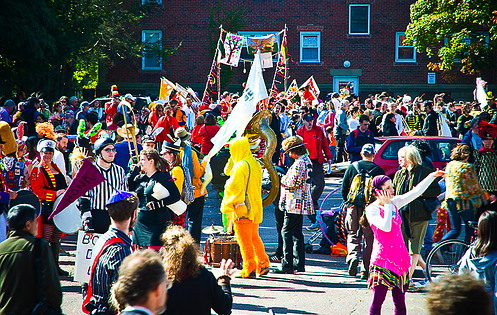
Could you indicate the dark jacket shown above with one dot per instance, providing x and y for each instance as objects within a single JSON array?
[
  {"x": 355, "y": 140},
  {"x": 430, "y": 126},
  {"x": 351, "y": 172},
  {"x": 18, "y": 294},
  {"x": 151, "y": 224},
  {"x": 404, "y": 181},
  {"x": 389, "y": 129},
  {"x": 197, "y": 296}
]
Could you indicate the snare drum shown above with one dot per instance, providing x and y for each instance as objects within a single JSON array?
[{"x": 222, "y": 246}]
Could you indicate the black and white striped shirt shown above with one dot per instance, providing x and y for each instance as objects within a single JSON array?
[{"x": 115, "y": 178}]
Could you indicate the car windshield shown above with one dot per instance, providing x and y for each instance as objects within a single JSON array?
[{"x": 440, "y": 149}]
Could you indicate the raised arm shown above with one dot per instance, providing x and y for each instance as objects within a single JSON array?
[{"x": 417, "y": 191}]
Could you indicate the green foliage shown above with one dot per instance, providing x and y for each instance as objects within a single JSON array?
[
  {"x": 232, "y": 21},
  {"x": 460, "y": 33},
  {"x": 57, "y": 45}
]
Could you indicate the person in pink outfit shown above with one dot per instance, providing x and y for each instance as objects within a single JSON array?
[{"x": 390, "y": 260}]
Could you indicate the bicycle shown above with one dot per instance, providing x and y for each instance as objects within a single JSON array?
[{"x": 444, "y": 258}]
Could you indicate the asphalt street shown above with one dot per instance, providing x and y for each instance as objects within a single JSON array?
[{"x": 325, "y": 287}]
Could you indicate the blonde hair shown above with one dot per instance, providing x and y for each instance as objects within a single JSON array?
[
  {"x": 181, "y": 254},
  {"x": 412, "y": 155}
]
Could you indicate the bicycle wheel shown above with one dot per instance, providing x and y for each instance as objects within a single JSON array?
[{"x": 444, "y": 258}]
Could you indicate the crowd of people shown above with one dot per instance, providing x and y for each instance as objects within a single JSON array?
[{"x": 151, "y": 199}]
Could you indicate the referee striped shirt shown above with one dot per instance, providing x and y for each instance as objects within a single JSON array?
[{"x": 115, "y": 178}]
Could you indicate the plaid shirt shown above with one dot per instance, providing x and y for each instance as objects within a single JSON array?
[{"x": 296, "y": 187}]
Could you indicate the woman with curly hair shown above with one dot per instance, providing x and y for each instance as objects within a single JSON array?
[
  {"x": 195, "y": 290},
  {"x": 464, "y": 193}
]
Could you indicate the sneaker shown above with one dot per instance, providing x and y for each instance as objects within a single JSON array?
[
  {"x": 353, "y": 267},
  {"x": 416, "y": 286},
  {"x": 365, "y": 275},
  {"x": 313, "y": 227},
  {"x": 284, "y": 271},
  {"x": 251, "y": 275},
  {"x": 275, "y": 258}
]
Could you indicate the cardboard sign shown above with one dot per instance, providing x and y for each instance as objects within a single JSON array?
[{"x": 84, "y": 252}]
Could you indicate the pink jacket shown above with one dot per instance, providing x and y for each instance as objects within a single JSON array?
[{"x": 389, "y": 249}]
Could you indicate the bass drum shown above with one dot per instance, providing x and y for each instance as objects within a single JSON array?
[
  {"x": 68, "y": 220},
  {"x": 25, "y": 196}
]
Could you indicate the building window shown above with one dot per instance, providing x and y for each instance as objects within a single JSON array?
[
  {"x": 245, "y": 55},
  {"x": 310, "y": 47},
  {"x": 359, "y": 15},
  {"x": 158, "y": 2},
  {"x": 403, "y": 53},
  {"x": 150, "y": 60}
]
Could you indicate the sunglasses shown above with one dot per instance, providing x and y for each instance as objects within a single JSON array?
[{"x": 110, "y": 150}]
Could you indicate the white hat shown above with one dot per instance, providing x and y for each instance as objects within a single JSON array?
[
  {"x": 46, "y": 144},
  {"x": 129, "y": 96}
]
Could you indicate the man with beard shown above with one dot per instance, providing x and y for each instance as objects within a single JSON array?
[{"x": 110, "y": 251}]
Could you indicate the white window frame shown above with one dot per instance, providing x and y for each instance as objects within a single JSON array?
[
  {"x": 398, "y": 45},
  {"x": 309, "y": 33},
  {"x": 246, "y": 34},
  {"x": 144, "y": 37},
  {"x": 159, "y": 2},
  {"x": 350, "y": 18}
]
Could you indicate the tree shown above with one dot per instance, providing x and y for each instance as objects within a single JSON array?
[
  {"x": 461, "y": 33},
  {"x": 56, "y": 46},
  {"x": 232, "y": 21}
]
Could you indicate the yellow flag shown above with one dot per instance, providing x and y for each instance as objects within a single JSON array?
[{"x": 165, "y": 90}]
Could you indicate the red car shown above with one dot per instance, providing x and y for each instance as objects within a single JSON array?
[{"x": 388, "y": 147}]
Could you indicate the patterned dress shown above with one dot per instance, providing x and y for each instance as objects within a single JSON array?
[{"x": 296, "y": 187}]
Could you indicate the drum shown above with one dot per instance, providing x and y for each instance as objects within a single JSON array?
[
  {"x": 222, "y": 246},
  {"x": 25, "y": 196},
  {"x": 69, "y": 219}
]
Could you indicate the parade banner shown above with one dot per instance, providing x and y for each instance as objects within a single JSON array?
[
  {"x": 267, "y": 60},
  {"x": 239, "y": 118},
  {"x": 311, "y": 86},
  {"x": 87, "y": 177},
  {"x": 85, "y": 247},
  {"x": 262, "y": 44},
  {"x": 166, "y": 88},
  {"x": 232, "y": 49}
]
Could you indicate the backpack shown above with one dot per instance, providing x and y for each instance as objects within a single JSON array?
[{"x": 361, "y": 187}]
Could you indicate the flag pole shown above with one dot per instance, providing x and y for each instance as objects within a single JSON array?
[
  {"x": 219, "y": 64},
  {"x": 285, "y": 81}
]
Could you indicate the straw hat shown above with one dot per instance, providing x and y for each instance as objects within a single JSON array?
[
  {"x": 182, "y": 134},
  {"x": 132, "y": 131}
]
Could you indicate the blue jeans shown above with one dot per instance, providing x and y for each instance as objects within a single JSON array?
[{"x": 457, "y": 218}]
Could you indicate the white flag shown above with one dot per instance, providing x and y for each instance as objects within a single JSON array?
[{"x": 239, "y": 118}]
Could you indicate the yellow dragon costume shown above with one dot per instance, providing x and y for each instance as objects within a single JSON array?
[{"x": 242, "y": 203}]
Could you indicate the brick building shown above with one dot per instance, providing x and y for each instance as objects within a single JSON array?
[{"x": 352, "y": 42}]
